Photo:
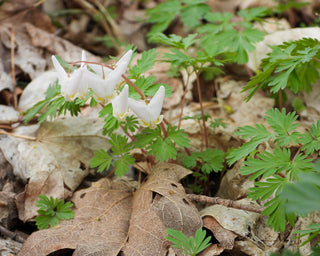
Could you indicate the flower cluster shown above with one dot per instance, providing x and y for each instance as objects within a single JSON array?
[{"x": 106, "y": 82}]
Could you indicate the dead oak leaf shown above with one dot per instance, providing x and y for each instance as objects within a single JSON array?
[
  {"x": 159, "y": 204},
  {"x": 99, "y": 227}
]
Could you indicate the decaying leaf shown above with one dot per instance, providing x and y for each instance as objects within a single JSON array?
[
  {"x": 159, "y": 204},
  {"x": 224, "y": 236},
  {"x": 56, "y": 162},
  {"x": 99, "y": 227},
  {"x": 238, "y": 221}
]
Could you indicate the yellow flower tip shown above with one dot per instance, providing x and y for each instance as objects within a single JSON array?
[{"x": 152, "y": 124}]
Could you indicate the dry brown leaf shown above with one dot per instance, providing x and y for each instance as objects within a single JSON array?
[
  {"x": 212, "y": 250},
  {"x": 99, "y": 227},
  {"x": 159, "y": 204},
  {"x": 224, "y": 236},
  {"x": 56, "y": 162},
  {"x": 239, "y": 221}
]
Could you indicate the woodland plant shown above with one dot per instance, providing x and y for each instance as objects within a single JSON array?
[{"x": 287, "y": 175}]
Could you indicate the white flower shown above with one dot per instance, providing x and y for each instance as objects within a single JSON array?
[
  {"x": 105, "y": 81},
  {"x": 149, "y": 114},
  {"x": 120, "y": 104},
  {"x": 73, "y": 85}
]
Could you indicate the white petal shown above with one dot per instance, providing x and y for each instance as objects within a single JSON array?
[
  {"x": 120, "y": 104},
  {"x": 61, "y": 72},
  {"x": 70, "y": 85},
  {"x": 156, "y": 102},
  {"x": 125, "y": 58},
  {"x": 141, "y": 110}
]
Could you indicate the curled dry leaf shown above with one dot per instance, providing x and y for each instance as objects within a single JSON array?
[
  {"x": 224, "y": 236},
  {"x": 99, "y": 227},
  {"x": 238, "y": 221},
  {"x": 159, "y": 204},
  {"x": 56, "y": 162}
]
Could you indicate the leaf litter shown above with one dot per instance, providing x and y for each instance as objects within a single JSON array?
[{"x": 109, "y": 217}]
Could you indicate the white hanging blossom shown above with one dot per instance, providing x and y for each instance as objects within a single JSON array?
[
  {"x": 120, "y": 104},
  {"x": 73, "y": 85},
  {"x": 149, "y": 114},
  {"x": 105, "y": 82}
]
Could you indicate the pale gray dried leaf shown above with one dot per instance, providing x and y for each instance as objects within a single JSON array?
[
  {"x": 239, "y": 221},
  {"x": 8, "y": 115},
  {"x": 57, "y": 161},
  {"x": 99, "y": 227}
]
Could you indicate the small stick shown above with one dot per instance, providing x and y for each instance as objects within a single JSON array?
[
  {"x": 7, "y": 233},
  {"x": 224, "y": 202},
  {"x": 12, "y": 56}
]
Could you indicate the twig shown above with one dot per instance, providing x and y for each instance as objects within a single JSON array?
[
  {"x": 224, "y": 202},
  {"x": 10, "y": 234},
  {"x": 202, "y": 112},
  {"x": 12, "y": 56}
]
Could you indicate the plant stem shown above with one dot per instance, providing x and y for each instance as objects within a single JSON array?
[
  {"x": 280, "y": 99},
  {"x": 183, "y": 99},
  {"x": 202, "y": 112}
]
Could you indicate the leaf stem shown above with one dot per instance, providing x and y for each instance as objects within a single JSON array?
[
  {"x": 18, "y": 136},
  {"x": 202, "y": 112}
]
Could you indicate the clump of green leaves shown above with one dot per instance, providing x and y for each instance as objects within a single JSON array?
[
  {"x": 293, "y": 65},
  {"x": 280, "y": 167},
  {"x": 120, "y": 154},
  {"x": 190, "y": 246},
  {"x": 51, "y": 211}
]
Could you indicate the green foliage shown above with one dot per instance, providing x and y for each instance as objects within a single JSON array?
[
  {"x": 54, "y": 105},
  {"x": 162, "y": 148},
  {"x": 221, "y": 34},
  {"x": 120, "y": 153},
  {"x": 293, "y": 65},
  {"x": 208, "y": 161},
  {"x": 217, "y": 123},
  {"x": 102, "y": 160},
  {"x": 51, "y": 210},
  {"x": 283, "y": 126},
  {"x": 191, "y": 12},
  {"x": 303, "y": 196},
  {"x": 190, "y": 246},
  {"x": 311, "y": 139},
  {"x": 269, "y": 165},
  {"x": 312, "y": 231},
  {"x": 146, "y": 62}
]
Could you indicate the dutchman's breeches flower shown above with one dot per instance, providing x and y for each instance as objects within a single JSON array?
[
  {"x": 120, "y": 104},
  {"x": 105, "y": 82},
  {"x": 149, "y": 114},
  {"x": 73, "y": 85}
]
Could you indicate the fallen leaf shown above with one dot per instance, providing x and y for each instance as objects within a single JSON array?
[
  {"x": 56, "y": 162},
  {"x": 159, "y": 204},
  {"x": 99, "y": 227},
  {"x": 224, "y": 236},
  {"x": 239, "y": 221}
]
